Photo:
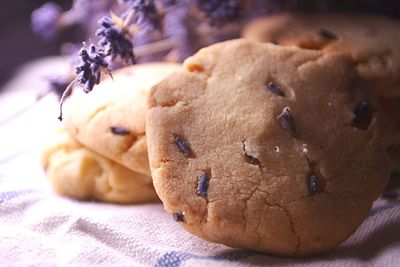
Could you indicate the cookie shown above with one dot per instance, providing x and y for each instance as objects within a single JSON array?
[
  {"x": 391, "y": 109},
  {"x": 271, "y": 148},
  {"x": 373, "y": 42},
  {"x": 111, "y": 119},
  {"x": 77, "y": 172}
]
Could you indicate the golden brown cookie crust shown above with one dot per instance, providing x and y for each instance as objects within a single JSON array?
[
  {"x": 77, "y": 172},
  {"x": 111, "y": 119},
  {"x": 373, "y": 42},
  {"x": 230, "y": 166}
]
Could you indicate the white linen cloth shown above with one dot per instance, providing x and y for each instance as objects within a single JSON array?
[{"x": 39, "y": 228}]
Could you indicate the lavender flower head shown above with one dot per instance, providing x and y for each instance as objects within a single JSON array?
[
  {"x": 115, "y": 41},
  {"x": 44, "y": 20},
  {"x": 89, "y": 69}
]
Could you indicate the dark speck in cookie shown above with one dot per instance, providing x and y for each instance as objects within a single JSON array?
[
  {"x": 119, "y": 130},
  {"x": 178, "y": 217},
  {"x": 286, "y": 121},
  {"x": 183, "y": 146},
  {"x": 363, "y": 116},
  {"x": 312, "y": 184},
  {"x": 202, "y": 185},
  {"x": 276, "y": 89},
  {"x": 327, "y": 34},
  {"x": 251, "y": 159}
]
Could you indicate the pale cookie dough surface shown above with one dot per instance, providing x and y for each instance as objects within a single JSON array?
[
  {"x": 111, "y": 119},
  {"x": 373, "y": 42},
  {"x": 226, "y": 168},
  {"x": 77, "y": 172}
]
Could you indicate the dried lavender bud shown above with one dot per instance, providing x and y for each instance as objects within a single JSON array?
[
  {"x": 276, "y": 89},
  {"x": 220, "y": 12},
  {"x": 286, "y": 121},
  {"x": 183, "y": 147},
  {"x": 44, "y": 20},
  {"x": 251, "y": 159},
  {"x": 362, "y": 116},
  {"x": 119, "y": 130},
  {"x": 313, "y": 184},
  {"x": 146, "y": 14},
  {"x": 178, "y": 217},
  {"x": 361, "y": 111},
  {"x": 115, "y": 41},
  {"x": 202, "y": 185},
  {"x": 89, "y": 69},
  {"x": 327, "y": 34}
]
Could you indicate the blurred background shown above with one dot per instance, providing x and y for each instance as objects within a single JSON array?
[{"x": 18, "y": 43}]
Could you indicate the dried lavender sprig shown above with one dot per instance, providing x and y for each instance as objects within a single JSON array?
[
  {"x": 64, "y": 95},
  {"x": 88, "y": 71},
  {"x": 115, "y": 40},
  {"x": 56, "y": 85},
  {"x": 92, "y": 63}
]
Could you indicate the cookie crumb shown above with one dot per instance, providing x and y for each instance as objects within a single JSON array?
[
  {"x": 327, "y": 34},
  {"x": 119, "y": 130},
  {"x": 178, "y": 217},
  {"x": 202, "y": 185},
  {"x": 183, "y": 146},
  {"x": 276, "y": 89},
  {"x": 286, "y": 121},
  {"x": 312, "y": 184}
]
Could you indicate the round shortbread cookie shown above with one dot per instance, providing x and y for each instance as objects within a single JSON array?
[
  {"x": 77, "y": 172},
  {"x": 373, "y": 42},
  {"x": 111, "y": 120},
  {"x": 277, "y": 149}
]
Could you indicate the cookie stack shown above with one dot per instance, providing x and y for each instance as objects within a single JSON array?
[
  {"x": 101, "y": 151},
  {"x": 277, "y": 143}
]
